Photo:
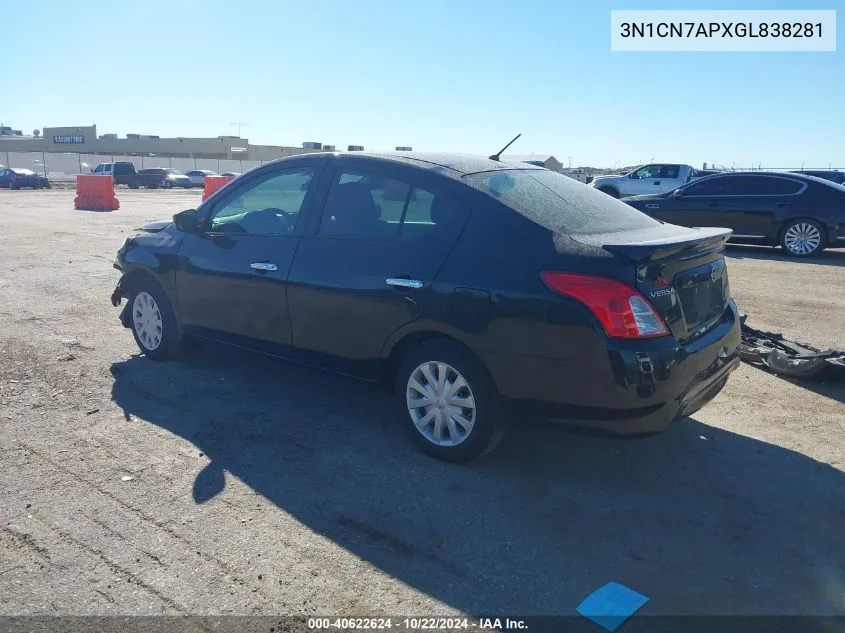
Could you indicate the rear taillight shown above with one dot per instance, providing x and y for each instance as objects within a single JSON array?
[{"x": 622, "y": 310}]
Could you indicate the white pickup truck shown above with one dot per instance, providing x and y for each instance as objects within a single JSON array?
[{"x": 655, "y": 178}]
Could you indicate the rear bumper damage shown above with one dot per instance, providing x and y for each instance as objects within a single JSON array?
[{"x": 639, "y": 387}]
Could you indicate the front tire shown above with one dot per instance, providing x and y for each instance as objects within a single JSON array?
[
  {"x": 613, "y": 193},
  {"x": 448, "y": 402},
  {"x": 803, "y": 238},
  {"x": 153, "y": 322}
]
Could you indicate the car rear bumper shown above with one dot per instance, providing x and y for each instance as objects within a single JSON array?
[{"x": 636, "y": 387}]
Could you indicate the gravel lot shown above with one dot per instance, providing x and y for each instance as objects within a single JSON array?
[{"x": 229, "y": 483}]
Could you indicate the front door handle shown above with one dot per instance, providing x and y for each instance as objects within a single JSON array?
[
  {"x": 712, "y": 204},
  {"x": 656, "y": 182},
  {"x": 265, "y": 266},
  {"x": 399, "y": 282},
  {"x": 781, "y": 204}
]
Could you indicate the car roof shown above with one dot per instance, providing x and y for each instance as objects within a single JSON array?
[
  {"x": 806, "y": 178},
  {"x": 454, "y": 165}
]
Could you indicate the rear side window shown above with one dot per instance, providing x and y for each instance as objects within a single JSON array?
[
  {"x": 559, "y": 203},
  {"x": 367, "y": 205},
  {"x": 761, "y": 186}
]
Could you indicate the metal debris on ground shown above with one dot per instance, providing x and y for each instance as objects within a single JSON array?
[{"x": 787, "y": 358}]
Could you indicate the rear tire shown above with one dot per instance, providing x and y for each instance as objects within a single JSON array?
[
  {"x": 153, "y": 322},
  {"x": 448, "y": 402},
  {"x": 613, "y": 193},
  {"x": 803, "y": 238}
]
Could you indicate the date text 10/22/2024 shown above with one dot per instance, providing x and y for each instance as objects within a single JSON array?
[{"x": 419, "y": 624}]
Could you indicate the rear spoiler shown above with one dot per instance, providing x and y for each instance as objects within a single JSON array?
[{"x": 696, "y": 240}]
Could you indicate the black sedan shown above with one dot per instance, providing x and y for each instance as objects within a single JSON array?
[
  {"x": 801, "y": 213},
  {"x": 472, "y": 286}
]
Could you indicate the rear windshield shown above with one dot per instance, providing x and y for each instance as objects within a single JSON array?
[{"x": 559, "y": 203}]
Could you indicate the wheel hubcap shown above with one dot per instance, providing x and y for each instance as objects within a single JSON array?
[
  {"x": 440, "y": 403},
  {"x": 146, "y": 317},
  {"x": 802, "y": 239}
]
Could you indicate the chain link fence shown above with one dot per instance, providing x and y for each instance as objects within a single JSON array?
[{"x": 65, "y": 167}]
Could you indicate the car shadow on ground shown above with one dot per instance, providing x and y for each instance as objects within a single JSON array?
[
  {"x": 835, "y": 257},
  {"x": 699, "y": 519},
  {"x": 830, "y": 383}
]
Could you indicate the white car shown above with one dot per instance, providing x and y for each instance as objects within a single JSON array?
[
  {"x": 197, "y": 176},
  {"x": 656, "y": 178}
]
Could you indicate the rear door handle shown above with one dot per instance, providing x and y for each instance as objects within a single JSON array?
[
  {"x": 712, "y": 204},
  {"x": 265, "y": 266},
  {"x": 781, "y": 204},
  {"x": 656, "y": 182},
  {"x": 399, "y": 282}
]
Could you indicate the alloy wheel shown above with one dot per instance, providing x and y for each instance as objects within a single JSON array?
[{"x": 802, "y": 238}]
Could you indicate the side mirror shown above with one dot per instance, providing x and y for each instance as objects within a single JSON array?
[
  {"x": 186, "y": 221},
  {"x": 678, "y": 193}
]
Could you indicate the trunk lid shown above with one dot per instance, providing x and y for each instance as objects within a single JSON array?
[{"x": 681, "y": 271}]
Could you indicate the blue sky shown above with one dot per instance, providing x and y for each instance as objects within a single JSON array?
[{"x": 439, "y": 75}]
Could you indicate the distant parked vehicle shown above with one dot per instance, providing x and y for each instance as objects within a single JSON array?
[
  {"x": 577, "y": 174},
  {"x": 801, "y": 213},
  {"x": 834, "y": 176},
  {"x": 18, "y": 178},
  {"x": 233, "y": 174},
  {"x": 648, "y": 179},
  {"x": 169, "y": 177},
  {"x": 123, "y": 173},
  {"x": 197, "y": 176}
]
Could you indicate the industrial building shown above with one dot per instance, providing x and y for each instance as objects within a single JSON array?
[{"x": 84, "y": 139}]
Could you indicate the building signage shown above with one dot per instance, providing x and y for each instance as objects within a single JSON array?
[{"x": 69, "y": 139}]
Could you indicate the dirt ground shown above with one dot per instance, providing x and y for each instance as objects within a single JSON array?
[{"x": 228, "y": 483}]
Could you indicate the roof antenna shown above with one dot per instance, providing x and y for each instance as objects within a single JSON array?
[{"x": 499, "y": 153}]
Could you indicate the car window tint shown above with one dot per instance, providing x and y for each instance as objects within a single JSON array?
[
  {"x": 708, "y": 187},
  {"x": 269, "y": 205},
  {"x": 559, "y": 203},
  {"x": 364, "y": 205},
  {"x": 432, "y": 214},
  {"x": 778, "y": 186},
  {"x": 748, "y": 185}
]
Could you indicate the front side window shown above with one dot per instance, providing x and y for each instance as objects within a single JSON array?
[
  {"x": 649, "y": 171},
  {"x": 559, "y": 203},
  {"x": 710, "y": 187},
  {"x": 269, "y": 205}
]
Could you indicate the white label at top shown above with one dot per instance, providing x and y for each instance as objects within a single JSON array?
[{"x": 787, "y": 30}]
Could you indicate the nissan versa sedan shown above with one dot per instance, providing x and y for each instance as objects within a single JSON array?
[
  {"x": 801, "y": 213},
  {"x": 473, "y": 286}
]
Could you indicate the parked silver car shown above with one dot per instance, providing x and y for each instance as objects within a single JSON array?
[{"x": 197, "y": 176}]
